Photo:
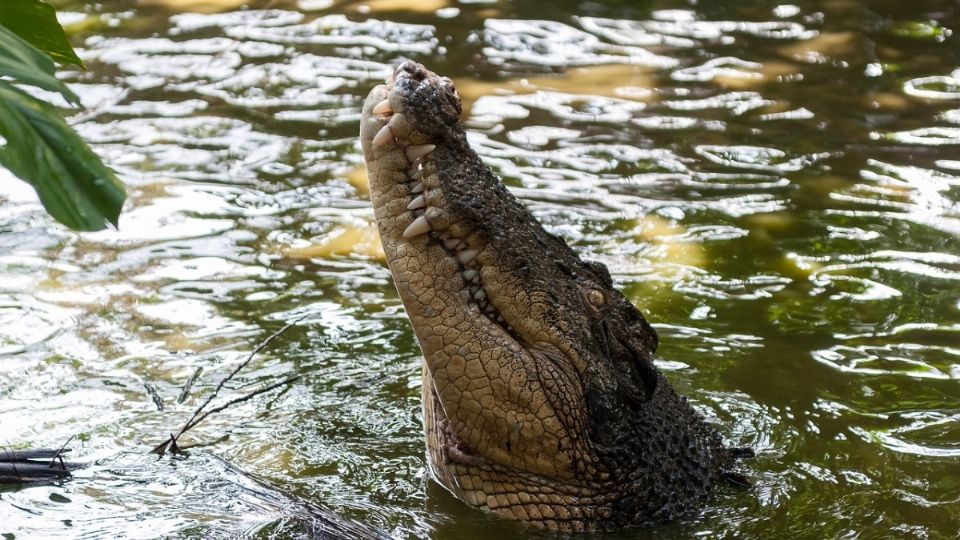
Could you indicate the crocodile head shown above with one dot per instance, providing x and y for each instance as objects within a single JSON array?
[{"x": 541, "y": 400}]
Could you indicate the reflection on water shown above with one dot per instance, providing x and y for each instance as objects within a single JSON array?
[{"x": 775, "y": 185}]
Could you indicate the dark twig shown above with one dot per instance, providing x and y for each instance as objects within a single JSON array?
[
  {"x": 241, "y": 399},
  {"x": 262, "y": 345},
  {"x": 154, "y": 395},
  {"x": 171, "y": 444},
  {"x": 185, "y": 392},
  {"x": 199, "y": 415},
  {"x": 59, "y": 454},
  {"x": 13, "y": 466}
]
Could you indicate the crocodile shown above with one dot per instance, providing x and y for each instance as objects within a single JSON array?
[{"x": 541, "y": 401}]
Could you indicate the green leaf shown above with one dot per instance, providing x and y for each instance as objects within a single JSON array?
[
  {"x": 74, "y": 186},
  {"x": 27, "y": 65},
  {"x": 36, "y": 22}
]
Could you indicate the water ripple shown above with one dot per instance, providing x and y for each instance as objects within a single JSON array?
[
  {"x": 937, "y": 87},
  {"x": 338, "y": 30},
  {"x": 720, "y": 67},
  {"x": 716, "y": 287},
  {"x": 686, "y": 23},
  {"x": 774, "y": 186},
  {"x": 757, "y": 158},
  {"x": 191, "y": 22},
  {"x": 737, "y": 102},
  {"x": 552, "y": 43},
  {"x": 902, "y": 359},
  {"x": 167, "y": 60},
  {"x": 25, "y": 322},
  {"x": 304, "y": 81}
]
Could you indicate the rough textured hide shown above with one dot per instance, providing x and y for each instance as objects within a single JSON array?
[{"x": 541, "y": 400}]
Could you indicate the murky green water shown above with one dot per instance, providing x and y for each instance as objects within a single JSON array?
[{"x": 776, "y": 185}]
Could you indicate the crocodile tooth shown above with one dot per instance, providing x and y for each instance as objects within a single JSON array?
[
  {"x": 383, "y": 108},
  {"x": 418, "y": 227},
  {"x": 466, "y": 255},
  {"x": 383, "y": 136},
  {"x": 480, "y": 294},
  {"x": 417, "y": 202},
  {"x": 417, "y": 151},
  {"x": 451, "y": 243},
  {"x": 417, "y": 188},
  {"x": 469, "y": 274}
]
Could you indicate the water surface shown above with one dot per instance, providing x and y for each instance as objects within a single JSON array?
[{"x": 777, "y": 186}]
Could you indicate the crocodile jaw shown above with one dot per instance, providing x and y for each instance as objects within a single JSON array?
[{"x": 446, "y": 269}]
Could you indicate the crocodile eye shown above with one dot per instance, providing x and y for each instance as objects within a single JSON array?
[{"x": 596, "y": 298}]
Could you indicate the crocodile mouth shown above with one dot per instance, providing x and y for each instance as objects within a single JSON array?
[
  {"x": 405, "y": 165},
  {"x": 431, "y": 196},
  {"x": 463, "y": 253}
]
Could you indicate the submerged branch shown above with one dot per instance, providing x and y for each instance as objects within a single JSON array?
[
  {"x": 199, "y": 415},
  {"x": 239, "y": 400},
  {"x": 22, "y": 466}
]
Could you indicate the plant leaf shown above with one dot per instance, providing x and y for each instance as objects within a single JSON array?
[
  {"x": 74, "y": 186},
  {"x": 27, "y": 65},
  {"x": 36, "y": 22}
]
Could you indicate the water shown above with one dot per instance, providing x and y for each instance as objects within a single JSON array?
[{"x": 777, "y": 186}]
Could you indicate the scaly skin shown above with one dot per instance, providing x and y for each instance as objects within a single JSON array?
[{"x": 541, "y": 401}]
